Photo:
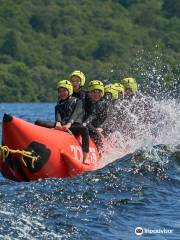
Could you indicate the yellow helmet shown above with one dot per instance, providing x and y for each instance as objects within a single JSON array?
[
  {"x": 130, "y": 83},
  {"x": 96, "y": 85},
  {"x": 65, "y": 84},
  {"x": 120, "y": 88},
  {"x": 111, "y": 89},
  {"x": 80, "y": 75}
]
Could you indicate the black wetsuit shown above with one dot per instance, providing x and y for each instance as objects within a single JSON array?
[
  {"x": 109, "y": 123},
  {"x": 81, "y": 94},
  {"x": 70, "y": 111},
  {"x": 95, "y": 115}
]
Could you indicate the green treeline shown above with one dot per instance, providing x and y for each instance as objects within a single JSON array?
[{"x": 42, "y": 41}]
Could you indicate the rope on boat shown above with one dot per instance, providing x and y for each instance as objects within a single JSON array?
[{"x": 5, "y": 151}]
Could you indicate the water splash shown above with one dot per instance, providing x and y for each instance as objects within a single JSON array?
[{"x": 164, "y": 130}]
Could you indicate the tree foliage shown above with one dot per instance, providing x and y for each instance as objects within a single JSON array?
[{"x": 43, "y": 41}]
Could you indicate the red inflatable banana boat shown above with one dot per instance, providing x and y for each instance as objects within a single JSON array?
[{"x": 30, "y": 152}]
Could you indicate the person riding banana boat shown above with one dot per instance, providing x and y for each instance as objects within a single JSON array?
[
  {"x": 96, "y": 111},
  {"x": 111, "y": 93},
  {"x": 135, "y": 110},
  {"x": 122, "y": 116},
  {"x": 120, "y": 88},
  {"x": 77, "y": 78},
  {"x": 69, "y": 115},
  {"x": 135, "y": 101}
]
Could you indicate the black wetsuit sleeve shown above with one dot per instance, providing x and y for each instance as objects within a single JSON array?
[
  {"x": 57, "y": 114},
  {"x": 105, "y": 112},
  {"x": 108, "y": 115},
  {"x": 90, "y": 111},
  {"x": 78, "y": 113},
  {"x": 90, "y": 118}
]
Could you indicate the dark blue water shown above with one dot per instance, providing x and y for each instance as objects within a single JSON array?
[{"x": 142, "y": 189}]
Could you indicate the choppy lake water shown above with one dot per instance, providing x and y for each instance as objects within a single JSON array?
[{"x": 141, "y": 189}]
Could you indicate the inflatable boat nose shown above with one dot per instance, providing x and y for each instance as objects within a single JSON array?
[{"x": 7, "y": 118}]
